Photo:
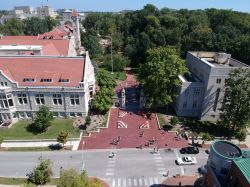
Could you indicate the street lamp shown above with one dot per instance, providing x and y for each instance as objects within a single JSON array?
[{"x": 112, "y": 64}]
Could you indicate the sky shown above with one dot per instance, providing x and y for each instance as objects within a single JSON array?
[{"x": 118, "y": 5}]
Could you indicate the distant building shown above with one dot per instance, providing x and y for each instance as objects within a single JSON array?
[
  {"x": 65, "y": 84},
  {"x": 202, "y": 91},
  {"x": 227, "y": 166},
  {"x": 45, "y": 11},
  {"x": 24, "y": 9}
]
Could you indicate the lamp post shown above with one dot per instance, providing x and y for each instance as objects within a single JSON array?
[{"x": 111, "y": 46}]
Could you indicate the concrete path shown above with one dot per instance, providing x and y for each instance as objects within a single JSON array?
[{"x": 38, "y": 144}]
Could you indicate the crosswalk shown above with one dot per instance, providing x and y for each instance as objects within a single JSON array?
[
  {"x": 159, "y": 164},
  {"x": 132, "y": 182}
]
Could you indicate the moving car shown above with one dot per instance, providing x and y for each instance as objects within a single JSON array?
[
  {"x": 187, "y": 160},
  {"x": 189, "y": 150}
]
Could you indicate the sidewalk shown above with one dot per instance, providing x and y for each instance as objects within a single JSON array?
[
  {"x": 7, "y": 144},
  {"x": 180, "y": 181}
]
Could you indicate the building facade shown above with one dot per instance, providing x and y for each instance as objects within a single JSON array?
[
  {"x": 202, "y": 91},
  {"x": 64, "y": 84},
  {"x": 45, "y": 11},
  {"x": 227, "y": 166}
]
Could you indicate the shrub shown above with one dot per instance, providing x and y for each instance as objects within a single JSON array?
[
  {"x": 174, "y": 121},
  {"x": 43, "y": 119},
  {"x": 87, "y": 120},
  {"x": 72, "y": 178},
  {"x": 42, "y": 173},
  {"x": 62, "y": 137}
]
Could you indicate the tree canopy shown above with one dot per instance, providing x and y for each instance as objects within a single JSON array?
[
  {"x": 236, "y": 105},
  {"x": 43, "y": 119},
  {"x": 159, "y": 75},
  {"x": 210, "y": 30}
]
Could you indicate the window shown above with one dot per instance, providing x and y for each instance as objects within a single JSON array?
[
  {"x": 46, "y": 80},
  {"x": 79, "y": 114},
  {"x": 55, "y": 114},
  {"x": 74, "y": 99},
  {"x": 218, "y": 81},
  {"x": 91, "y": 91},
  {"x": 40, "y": 99},
  {"x": 2, "y": 84},
  {"x": 216, "y": 99},
  {"x": 10, "y": 100},
  {"x": 197, "y": 92},
  {"x": 3, "y": 102},
  {"x": 194, "y": 104},
  {"x": 28, "y": 80},
  {"x": 63, "y": 80},
  {"x": 29, "y": 114},
  {"x": 184, "y": 104},
  {"x": 61, "y": 114},
  {"x": 22, "y": 114},
  {"x": 72, "y": 114},
  {"x": 22, "y": 99},
  {"x": 5, "y": 83},
  {"x": 57, "y": 99}
]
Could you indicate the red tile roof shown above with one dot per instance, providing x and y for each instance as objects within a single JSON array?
[
  {"x": 50, "y": 46},
  {"x": 18, "y": 68}
]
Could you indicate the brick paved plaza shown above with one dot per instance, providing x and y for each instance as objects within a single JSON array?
[{"x": 124, "y": 127}]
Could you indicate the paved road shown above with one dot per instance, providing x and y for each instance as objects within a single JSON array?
[{"x": 126, "y": 168}]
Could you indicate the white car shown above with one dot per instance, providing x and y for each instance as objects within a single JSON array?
[{"x": 187, "y": 160}]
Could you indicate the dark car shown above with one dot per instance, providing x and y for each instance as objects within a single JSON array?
[{"x": 189, "y": 150}]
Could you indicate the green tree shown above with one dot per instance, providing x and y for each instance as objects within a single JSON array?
[
  {"x": 1, "y": 141},
  {"x": 105, "y": 79},
  {"x": 13, "y": 27},
  {"x": 159, "y": 75},
  {"x": 95, "y": 183},
  {"x": 72, "y": 178},
  {"x": 62, "y": 137},
  {"x": 90, "y": 41},
  {"x": 103, "y": 100},
  {"x": 241, "y": 135},
  {"x": 174, "y": 121},
  {"x": 236, "y": 104},
  {"x": 43, "y": 119},
  {"x": 42, "y": 173}
]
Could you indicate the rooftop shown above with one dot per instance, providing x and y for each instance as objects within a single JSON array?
[
  {"x": 33, "y": 70},
  {"x": 50, "y": 46},
  {"x": 227, "y": 149},
  {"x": 217, "y": 59},
  {"x": 244, "y": 166}
]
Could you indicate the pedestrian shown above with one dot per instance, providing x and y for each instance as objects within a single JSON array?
[
  {"x": 167, "y": 173},
  {"x": 157, "y": 149},
  {"x": 119, "y": 138},
  {"x": 154, "y": 150}
]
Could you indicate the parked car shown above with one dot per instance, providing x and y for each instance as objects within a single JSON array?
[
  {"x": 202, "y": 170},
  {"x": 187, "y": 160},
  {"x": 189, "y": 150}
]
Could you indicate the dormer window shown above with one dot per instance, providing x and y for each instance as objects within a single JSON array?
[
  {"x": 46, "y": 80},
  {"x": 63, "y": 80},
  {"x": 28, "y": 80}
]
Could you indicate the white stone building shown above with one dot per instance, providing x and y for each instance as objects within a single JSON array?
[
  {"x": 202, "y": 92},
  {"x": 64, "y": 84}
]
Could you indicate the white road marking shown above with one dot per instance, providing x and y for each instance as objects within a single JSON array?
[
  {"x": 113, "y": 183},
  {"x": 124, "y": 182},
  {"x": 118, "y": 182},
  {"x": 161, "y": 169},
  {"x": 111, "y": 165},
  {"x": 110, "y": 169},
  {"x": 151, "y": 181},
  {"x": 159, "y": 164},
  {"x": 129, "y": 182},
  {"x": 140, "y": 181},
  {"x": 177, "y": 156},
  {"x": 156, "y": 181},
  {"x": 158, "y": 157},
  {"x": 108, "y": 173},
  {"x": 135, "y": 182},
  {"x": 158, "y": 160},
  {"x": 145, "y": 181},
  {"x": 111, "y": 161}
]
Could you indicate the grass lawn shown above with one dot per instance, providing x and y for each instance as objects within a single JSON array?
[
  {"x": 121, "y": 76},
  {"x": 16, "y": 181},
  {"x": 20, "y": 130},
  {"x": 161, "y": 120}
]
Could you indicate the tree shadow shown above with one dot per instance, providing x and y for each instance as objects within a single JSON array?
[{"x": 55, "y": 147}]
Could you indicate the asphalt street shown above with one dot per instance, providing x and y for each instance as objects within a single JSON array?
[{"x": 127, "y": 168}]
